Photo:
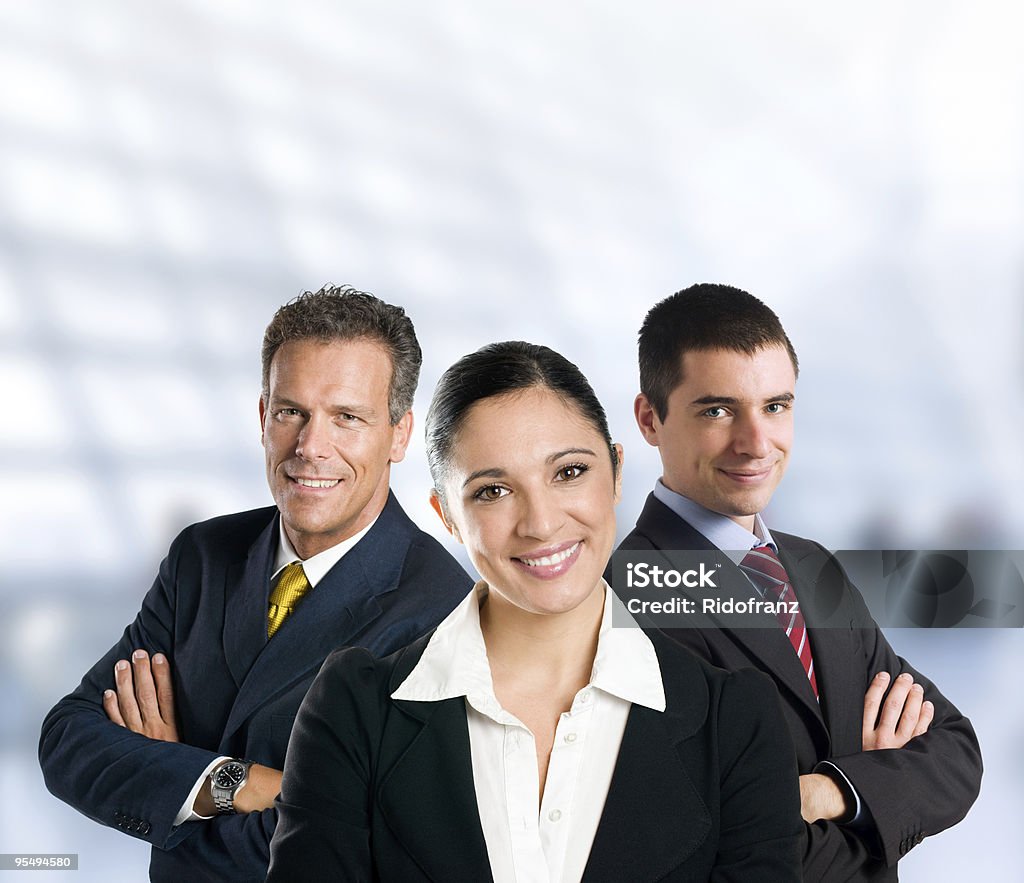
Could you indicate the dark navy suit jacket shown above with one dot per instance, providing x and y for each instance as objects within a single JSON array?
[{"x": 236, "y": 693}]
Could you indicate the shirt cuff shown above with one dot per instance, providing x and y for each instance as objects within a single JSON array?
[
  {"x": 863, "y": 822},
  {"x": 186, "y": 813}
]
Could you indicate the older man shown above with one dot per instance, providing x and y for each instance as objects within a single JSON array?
[{"x": 177, "y": 735}]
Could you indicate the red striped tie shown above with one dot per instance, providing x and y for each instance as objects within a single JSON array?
[{"x": 765, "y": 571}]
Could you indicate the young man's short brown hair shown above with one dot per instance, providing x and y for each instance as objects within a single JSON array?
[{"x": 702, "y": 317}]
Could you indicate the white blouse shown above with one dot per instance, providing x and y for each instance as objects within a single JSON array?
[{"x": 551, "y": 846}]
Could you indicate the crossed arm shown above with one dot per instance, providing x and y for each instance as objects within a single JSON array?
[
  {"x": 890, "y": 721},
  {"x": 135, "y": 773},
  {"x": 143, "y": 702}
]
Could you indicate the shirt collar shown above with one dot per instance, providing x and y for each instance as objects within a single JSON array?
[
  {"x": 316, "y": 566},
  {"x": 626, "y": 664},
  {"x": 721, "y": 530},
  {"x": 454, "y": 662}
]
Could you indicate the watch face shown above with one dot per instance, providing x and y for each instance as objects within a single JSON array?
[{"x": 229, "y": 775}]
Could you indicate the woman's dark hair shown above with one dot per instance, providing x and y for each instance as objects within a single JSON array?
[{"x": 498, "y": 369}]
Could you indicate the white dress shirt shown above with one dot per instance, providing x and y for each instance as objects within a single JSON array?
[
  {"x": 315, "y": 568},
  {"x": 551, "y": 845}
]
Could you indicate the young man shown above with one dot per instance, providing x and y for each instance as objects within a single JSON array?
[
  {"x": 178, "y": 734},
  {"x": 718, "y": 377}
]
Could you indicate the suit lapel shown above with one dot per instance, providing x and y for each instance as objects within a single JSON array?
[
  {"x": 648, "y": 786},
  {"x": 332, "y": 615},
  {"x": 841, "y": 709},
  {"x": 428, "y": 798},
  {"x": 667, "y": 531},
  {"x": 440, "y": 827},
  {"x": 245, "y": 605},
  {"x": 771, "y": 644}
]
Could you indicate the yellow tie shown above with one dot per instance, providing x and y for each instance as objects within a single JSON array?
[{"x": 291, "y": 586}]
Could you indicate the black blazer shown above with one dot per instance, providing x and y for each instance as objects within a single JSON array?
[
  {"x": 236, "y": 692},
  {"x": 381, "y": 789},
  {"x": 912, "y": 792}
]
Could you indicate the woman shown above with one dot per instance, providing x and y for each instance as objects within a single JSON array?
[{"x": 525, "y": 739}]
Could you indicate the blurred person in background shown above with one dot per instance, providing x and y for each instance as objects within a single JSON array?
[
  {"x": 884, "y": 758},
  {"x": 527, "y": 739},
  {"x": 177, "y": 735}
]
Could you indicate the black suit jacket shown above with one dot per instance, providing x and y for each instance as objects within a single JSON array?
[
  {"x": 236, "y": 692},
  {"x": 381, "y": 789},
  {"x": 912, "y": 792}
]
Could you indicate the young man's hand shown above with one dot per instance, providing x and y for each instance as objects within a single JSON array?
[{"x": 902, "y": 715}]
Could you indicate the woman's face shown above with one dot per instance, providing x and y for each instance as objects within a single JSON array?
[{"x": 531, "y": 493}]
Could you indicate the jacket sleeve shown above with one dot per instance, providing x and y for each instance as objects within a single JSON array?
[
  {"x": 761, "y": 830},
  {"x": 113, "y": 776},
  {"x": 930, "y": 783},
  {"x": 829, "y": 851},
  {"x": 323, "y": 830},
  {"x": 228, "y": 847}
]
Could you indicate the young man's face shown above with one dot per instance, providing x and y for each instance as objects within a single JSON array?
[{"x": 725, "y": 440}]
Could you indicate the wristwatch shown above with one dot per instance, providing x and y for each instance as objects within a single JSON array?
[{"x": 226, "y": 781}]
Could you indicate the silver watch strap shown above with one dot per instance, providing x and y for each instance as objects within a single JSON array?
[{"x": 224, "y": 797}]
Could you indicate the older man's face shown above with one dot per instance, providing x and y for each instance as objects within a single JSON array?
[{"x": 328, "y": 440}]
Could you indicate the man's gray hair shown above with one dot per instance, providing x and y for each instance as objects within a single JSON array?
[{"x": 343, "y": 313}]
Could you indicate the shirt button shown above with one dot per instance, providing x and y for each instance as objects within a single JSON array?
[
  {"x": 585, "y": 697},
  {"x": 555, "y": 815},
  {"x": 570, "y": 737}
]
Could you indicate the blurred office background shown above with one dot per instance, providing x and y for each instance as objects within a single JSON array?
[{"x": 172, "y": 172}]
